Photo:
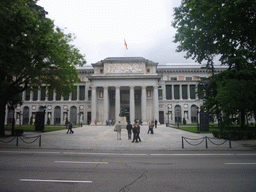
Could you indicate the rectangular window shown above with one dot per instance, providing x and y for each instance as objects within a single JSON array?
[
  {"x": 200, "y": 91},
  {"x": 50, "y": 96},
  {"x": 35, "y": 94},
  {"x": 173, "y": 78},
  {"x": 74, "y": 96},
  {"x": 66, "y": 98},
  {"x": 81, "y": 93},
  {"x": 43, "y": 93},
  {"x": 168, "y": 92},
  {"x": 176, "y": 92},
  {"x": 184, "y": 92},
  {"x": 192, "y": 91},
  {"x": 58, "y": 97},
  {"x": 27, "y": 95},
  {"x": 160, "y": 94}
]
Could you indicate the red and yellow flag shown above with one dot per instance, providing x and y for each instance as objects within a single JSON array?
[{"x": 125, "y": 44}]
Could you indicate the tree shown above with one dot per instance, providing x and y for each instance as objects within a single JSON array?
[
  {"x": 207, "y": 28},
  {"x": 233, "y": 92},
  {"x": 33, "y": 52}
]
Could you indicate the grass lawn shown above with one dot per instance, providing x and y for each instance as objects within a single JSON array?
[
  {"x": 193, "y": 128},
  {"x": 31, "y": 128}
]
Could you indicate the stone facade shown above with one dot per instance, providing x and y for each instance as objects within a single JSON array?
[{"x": 145, "y": 90}]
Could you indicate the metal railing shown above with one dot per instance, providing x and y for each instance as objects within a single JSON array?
[
  {"x": 27, "y": 140},
  {"x": 201, "y": 140}
]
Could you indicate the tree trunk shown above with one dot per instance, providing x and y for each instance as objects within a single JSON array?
[
  {"x": 2, "y": 117},
  {"x": 242, "y": 118}
]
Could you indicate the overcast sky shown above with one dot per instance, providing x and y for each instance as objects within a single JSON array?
[{"x": 101, "y": 26}]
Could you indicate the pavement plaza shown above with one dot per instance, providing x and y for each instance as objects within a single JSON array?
[{"x": 103, "y": 138}]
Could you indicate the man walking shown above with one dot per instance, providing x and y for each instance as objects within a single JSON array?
[
  {"x": 70, "y": 128},
  {"x": 129, "y": 130}
]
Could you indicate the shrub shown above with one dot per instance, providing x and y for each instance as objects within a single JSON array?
[{"x": 184, "y": 121}]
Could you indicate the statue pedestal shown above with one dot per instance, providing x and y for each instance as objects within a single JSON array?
[{"x": 123, "y": 122}]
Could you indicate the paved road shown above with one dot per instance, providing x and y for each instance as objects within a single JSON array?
[
  {"x": 69, "y": 170},
  {"x": 104, "y": 138}
]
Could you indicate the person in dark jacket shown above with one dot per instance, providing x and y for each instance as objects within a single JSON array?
[
  {"x": 135, "y": 131},
  {"x": 70, "y": 128},
  {"x": 129, "y": 130}
]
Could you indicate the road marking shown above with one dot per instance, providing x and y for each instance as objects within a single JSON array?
[
  {"x": 30, "y": 152},
  {"x": 81, "y": 162},
  {"x": 73, "y": 153},
  {"x": 240, "y": 163},
  {"x": 54, "y": 181},
  {"x": 193, "y": 154}
]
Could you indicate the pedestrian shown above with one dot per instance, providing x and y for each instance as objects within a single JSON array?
[
  {"x": 118, "y": 129},
  {"x": 135, "y": 131},
  {"x": 156, "y": 123},
  {"x": 150, "y": 127},
  {"x": 129, "y": 130},
  {"x": 70, "y": 128},
  {"x": 138, "y": 131}
]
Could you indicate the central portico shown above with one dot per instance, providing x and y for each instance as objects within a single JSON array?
[{"x": 124, "y": 82}]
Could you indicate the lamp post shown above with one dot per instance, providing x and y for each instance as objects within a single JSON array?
[
  {"x": 67, "y": 119},
  {"x": 197, "y": 123},
  {"x": 168, "y": 117},
  {"x": 178, "y": 126}
]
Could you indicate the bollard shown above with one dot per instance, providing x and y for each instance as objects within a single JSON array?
[
  {"x": 17, "y": 141},
  {"x": 229, "y": 142},
  {"x": 206, "y": 144},
  {"x": 39, "y": 140},
  {"x": 182, "y": 142}
]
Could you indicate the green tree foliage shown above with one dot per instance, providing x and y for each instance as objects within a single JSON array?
[
  {"x": 207, "y": 28},
  {"x": 232, "y": 92},
  {"x": 227, "y": 29},
  {"x": 33, "y": 52}
]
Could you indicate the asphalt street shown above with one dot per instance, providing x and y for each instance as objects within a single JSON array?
[{"x": 65, "y": 170}]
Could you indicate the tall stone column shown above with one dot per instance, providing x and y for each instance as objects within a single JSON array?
[
  {"x": 181, "y": 92},
  {"x": 93, "y": 105},
  {"x": 54, "y": 95},
  {"x": 173, "y": 92},
  {"x": 77, "y": 92},
  {"x": 144, "y": 105},
  {"x": 155, "y": 103},
  {"x": 39, "y": 94},
  {"x": 105, "y": 104},
  {"x": 117, "y": 104},
  {"x": 132, "y": 104}
]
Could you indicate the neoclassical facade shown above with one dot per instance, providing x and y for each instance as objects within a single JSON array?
[{"x": 143, "y": 89}]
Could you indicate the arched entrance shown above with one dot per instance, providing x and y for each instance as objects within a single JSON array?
[
  {"x": 25, "y": 115},
  {"x": 177, "y": 113},
  {"x": 73, "y": 115},
  {"x": 194, "y": 114},
  {"x": 57, "y": 115}
]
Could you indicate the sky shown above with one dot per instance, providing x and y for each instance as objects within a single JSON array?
[{"x": 100, "y": 27}]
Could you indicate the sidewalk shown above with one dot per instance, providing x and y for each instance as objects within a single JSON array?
[{"x": 104, "y": 138}]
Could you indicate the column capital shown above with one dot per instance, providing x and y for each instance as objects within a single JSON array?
[
  {"x": 105, "y": 87},
  {"x": 156, "y": 86},
  {"x": 117, "y": 86},
  {"x": 93, "y": 87},
  {"x": 132, "y": 86},
  {"x": 144, "y": 86}
]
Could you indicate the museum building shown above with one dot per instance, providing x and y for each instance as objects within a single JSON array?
[{"x": 143, "y": 89}]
